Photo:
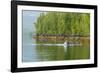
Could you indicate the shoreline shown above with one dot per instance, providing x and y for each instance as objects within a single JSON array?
[{"x": 76, "y": 39}]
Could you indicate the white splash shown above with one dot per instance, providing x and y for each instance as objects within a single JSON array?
[{"x": 65, "y": 44}]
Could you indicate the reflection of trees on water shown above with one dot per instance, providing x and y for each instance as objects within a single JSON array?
[
  {"x": 78, "y": 52},
  {"x": 53, "y": 53},
  {"x": 48, "y": 53}
]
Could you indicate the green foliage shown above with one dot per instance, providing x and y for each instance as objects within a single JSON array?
[{"x": 61, "y": 23}]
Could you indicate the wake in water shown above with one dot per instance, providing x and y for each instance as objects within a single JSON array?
[{"x": 65, "y": 44}]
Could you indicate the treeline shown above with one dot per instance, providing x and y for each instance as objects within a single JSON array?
[{"x": 61, "y": 23}]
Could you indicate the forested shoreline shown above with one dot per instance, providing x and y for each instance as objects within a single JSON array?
[{"x": 63, "y": 24}]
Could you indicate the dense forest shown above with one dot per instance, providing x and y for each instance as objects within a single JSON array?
[{"x": 63, "y": 23}]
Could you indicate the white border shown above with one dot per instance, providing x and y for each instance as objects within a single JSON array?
[{"x": 53, "y": 63}]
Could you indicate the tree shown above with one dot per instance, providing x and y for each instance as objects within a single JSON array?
[{"x": 63, "y": 23}]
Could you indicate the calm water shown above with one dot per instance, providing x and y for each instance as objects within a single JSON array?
[{"x": 34, "y": 51}]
